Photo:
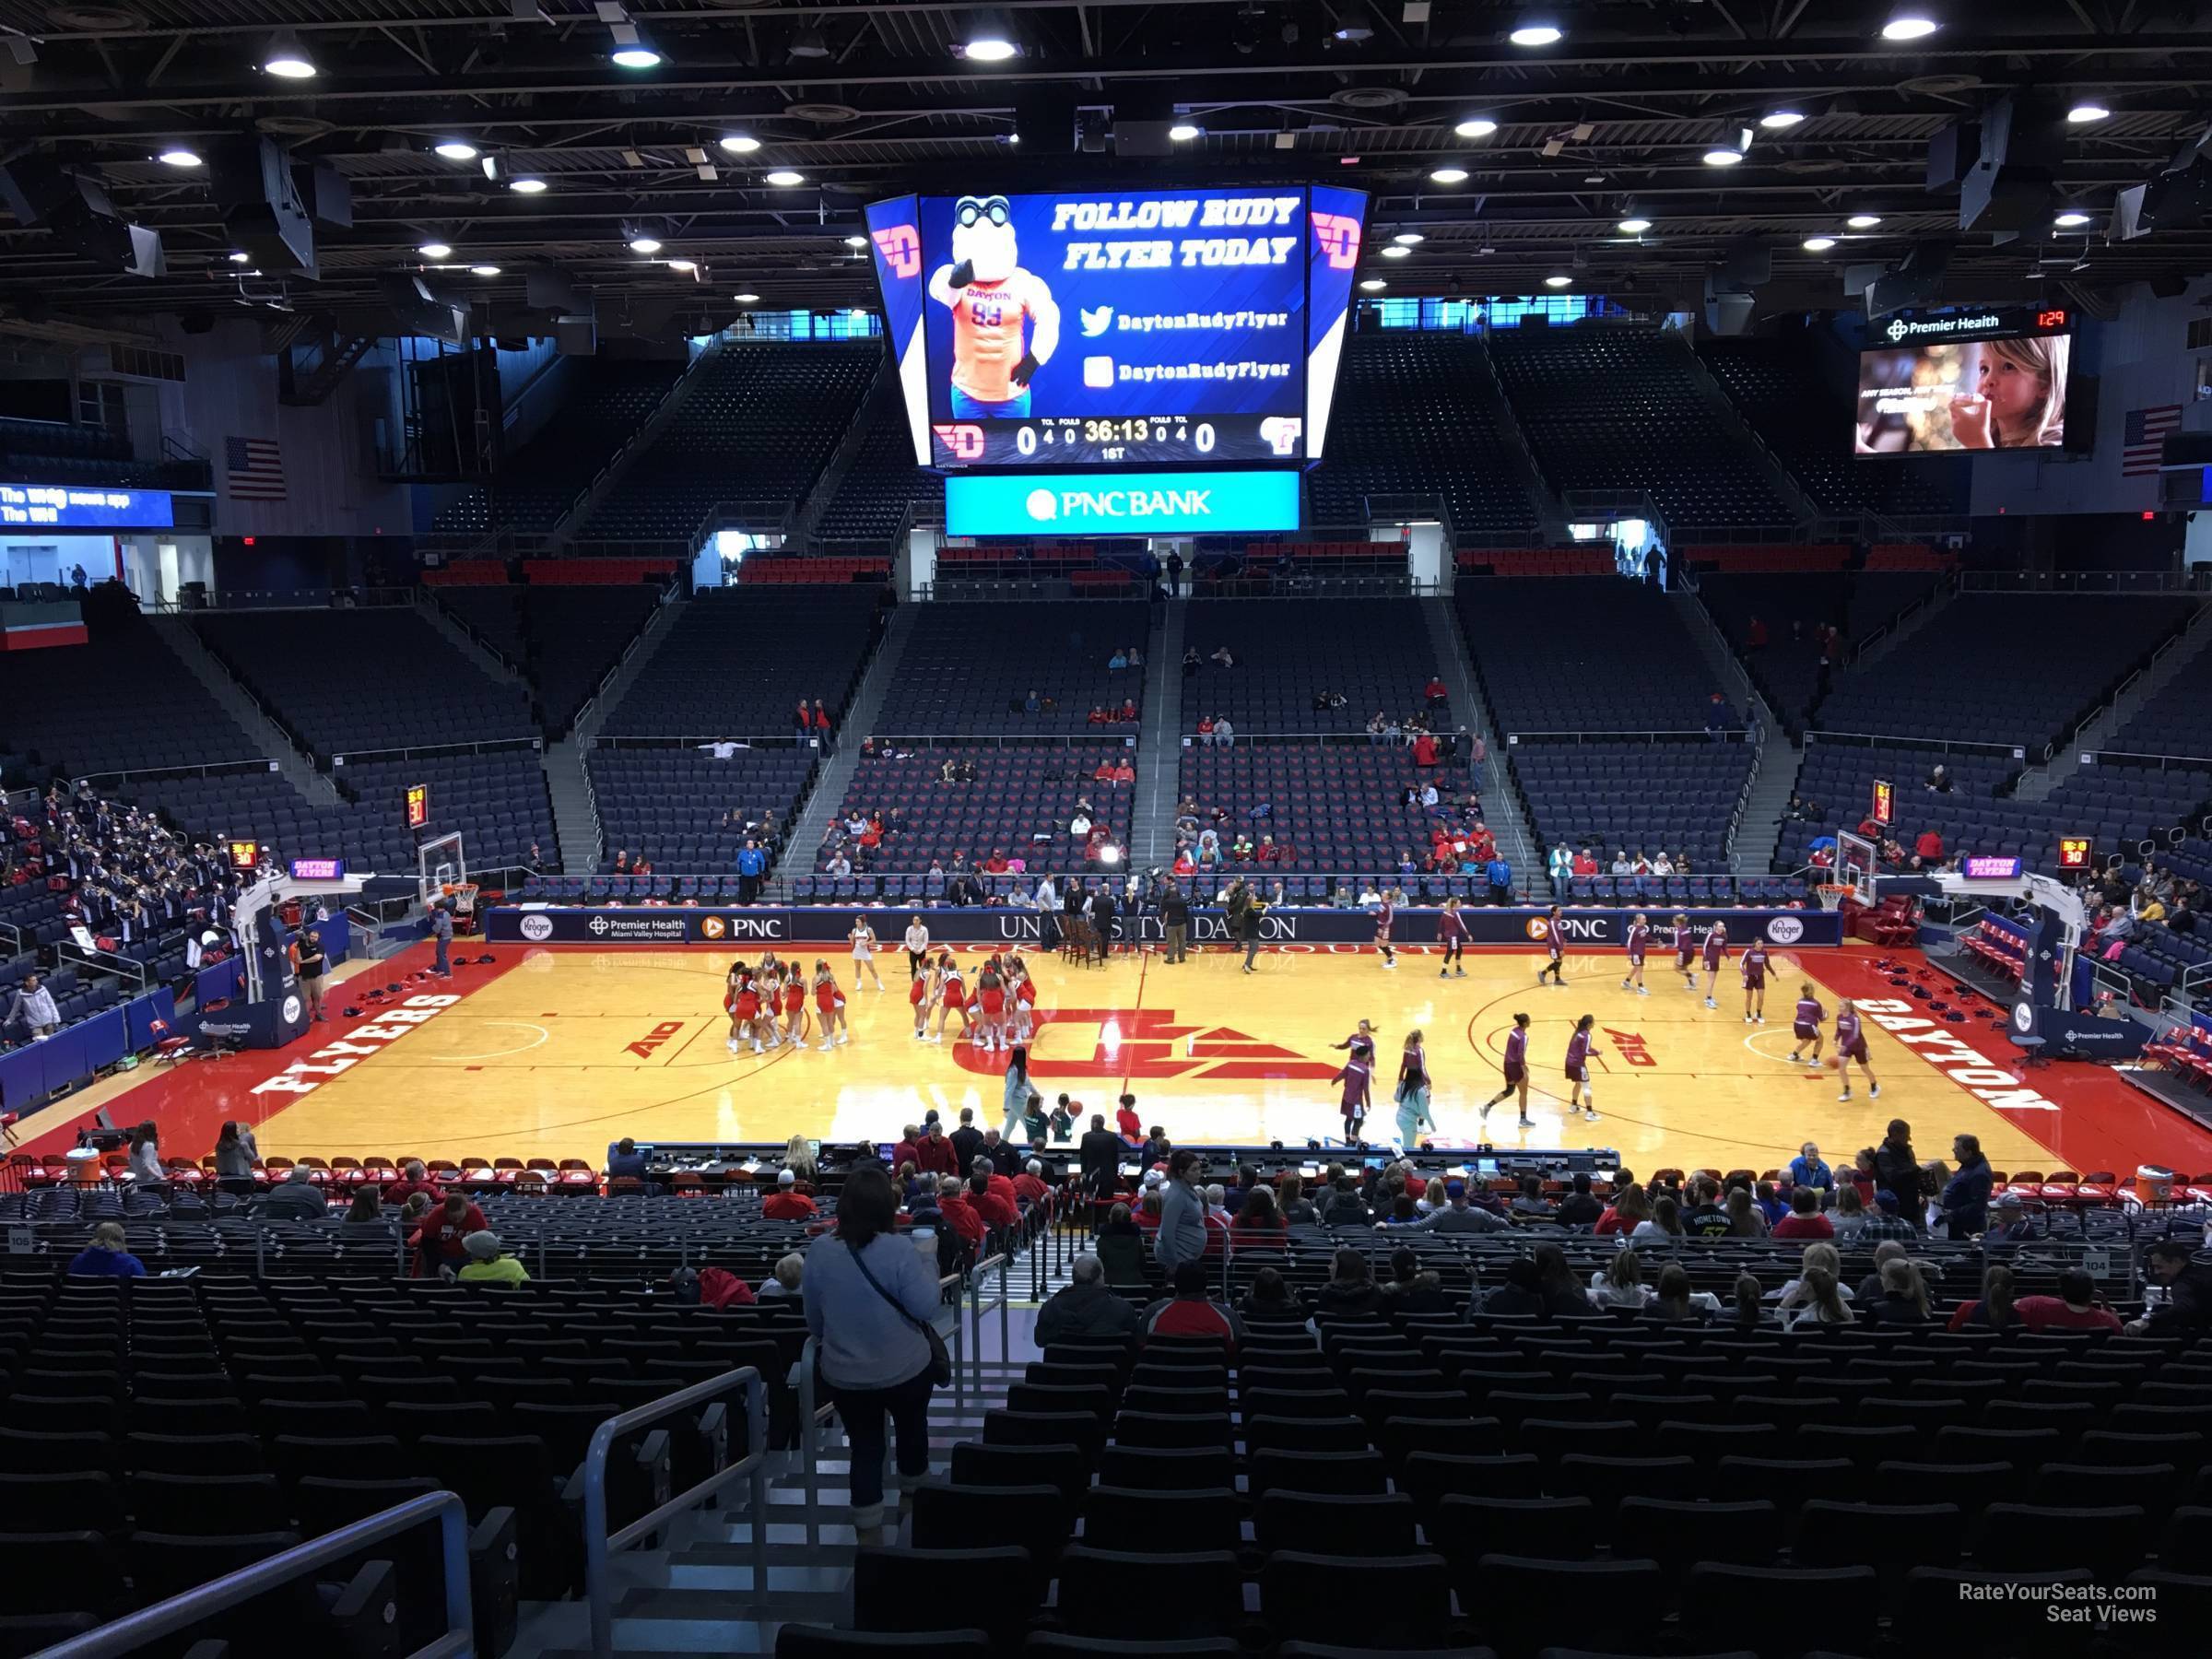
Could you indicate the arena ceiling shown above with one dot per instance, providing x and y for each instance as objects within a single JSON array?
[{"x": 1612, "y": 121}]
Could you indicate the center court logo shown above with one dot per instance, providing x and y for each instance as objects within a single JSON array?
[
  {"x": 1043, "y": 505},
  {"x": 1785, "y": 930},
  {"x": 537, "y": 928},
  {"x": 1151, "y": 1042}
]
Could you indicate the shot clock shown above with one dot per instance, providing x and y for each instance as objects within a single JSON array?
[
  {"x": 418, "y": 806},
  {"x": 2074, "y": 851},
  {"x": 1885, "y": 804},
  {"x": 244, "y": 855}
]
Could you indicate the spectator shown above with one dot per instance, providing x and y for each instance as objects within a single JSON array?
[
  {"x": 1966, "y": 1195},
  {"x": 1578, "y": 1207},
  {"x": 1411, "y": 1289},
  {"x": 1745, "y": 1218},
  {"x": 297, "y": 1198},
  {"x": 1499, "y": 873},
  {"x": 143, "y": 1159},
  {"x": 2185, "y": 1284},
  {"x": 1455, "y": 1215},
  {"x": 1673, "y": 1301},
  {"x": 786, "y": 1281},
  {"x": 869, "y": 1303},
  {"x": 1631, "y": 1206},
  {"x": 1345, "y": 1208},
  {"x": 1897, "y": 1166},
  {"x": 1806, "y": 1170},
  {"x": 1804, "y": 1219},
  {"x": 1125, "y": 1119},
  {"x": 1904, "y": 1296},
  {"x": 488, "y": 1264},
  {"x": 965, "y": 1139},
  {"x": 2009, "y": 1224},
  {"x": 1746, "y": 1305},
  {"x": 1529, "y": 1204},
  {"x": 993, "y": 1198},
  {"x": 1563, "y": 1295},
  {"x": 1620, "y": 1282},
  {"x": 1225, "y": 735},
  {"x": 934, "y": 1155},
  {"x": 1560, "y": 867},
  {"x": 1087, "y": 1310},
  {"x": 1995, "y": 1310},
  {"x": 1719, "y": 716},
  {"x": 1296, "y": 1208},
  {"x": 1885, "y": 1253},
  {"x": 1031, "y": 1185},
  {"x": 105, "y": 1257},
  {"x": 1351, "y": 1287},
  {"x": 1666, "y": 1222},
  {"x": 1269, "y": 1298},
  {"x": 236, "y": 1153},
  {"x": 1850, "y": 1217},
  {"x": 787, "y": 1203},
  {"x": 1887, "y": 1222},
  {"x": 1819, "y": 1301},
  {"x": 32, "y": 1009},
  {"x": 367, "y": 1210},
  {"x": 2074, "y": 1308},
  {"x": 1706, "y": 1219},
  {"x": 441, "y": 1242},
  {"x": 1517, "y": 1298},
  {"x": 1257, "y": 1220},
  {"x": 1191, "y": 1311},
  {"x": 1099, "y": 1156},
  {"x": 957, "y": 1214},
  {"x": 1182, "y": 1236},
  {"x": 626, "y": 1162}
]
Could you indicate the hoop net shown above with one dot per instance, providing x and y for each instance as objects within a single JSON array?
[
  {"x": 464, "y": 894},
  {"x": 1831, "y": 894}
]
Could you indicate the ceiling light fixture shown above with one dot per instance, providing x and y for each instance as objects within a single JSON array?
[
  {"x": 457, "y": 149},
  {"x": 1373, "y": 285},
  {"x": 526, "y": 186},
  {"x": 2088, "y": 110},
  {"x": 1722, "y": 158},
  {"x": 243, "y": 258},
  {"x": 1537, "y": 34},
  {"x": 1183, "y": 132},
  {"x": 1410, "y": 238},
  {"x": 1909, "y": 26},
  {"x": 1556, "y": 282},
  {"x": 683, "y": 265},
  {"x": 1397, "y": 252},
  {"x": 1475, "y": 126},
  {"x": 747, "y": 299},
  {"x": 1449, "y": 175},
  {"x": 1634, "y": 226},
  {"x": 810, "y": 44},
  {"x": 176, "y": 155},
  {"x": 857, "y": 242},
  {"x": 1776, "y": 121},
  {"x": 484, "y": 270},
  {"x": 990, "y": 44},
  {"x": 432, "y": 251},
  {"x": 287, "y": 60},
  {"x": 644, "y": 244},
  {"x": 2072, "y": 219},
  {"x": 783, "y": 178},
  {"x": 1818, "y": 244},
  {"x": 1864, "y": 221},
  {"x": 740, "y": 144},
  {"x": 635, "y": 54}
]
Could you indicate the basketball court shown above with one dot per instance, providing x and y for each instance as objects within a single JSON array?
[{"x": 561, "y": 1050}]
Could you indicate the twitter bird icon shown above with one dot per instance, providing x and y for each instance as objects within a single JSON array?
[{"x": 1096, "y": 323}]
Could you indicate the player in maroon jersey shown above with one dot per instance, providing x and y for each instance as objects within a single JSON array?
[
  {"x": 1754, "y": 967},
  {"x": 1850, "y": 1044},
  {"x": 1579, "y": 1049},
  {"x": 1715, "y": 952},
  {"x": 1639, "y": 935},
  {"x": 1555, "y": 951},
  {"x": 1385, "y": 913},
  {"x": 1451, "y": 929},
  {"x": 1805, "y": 1025},
  {"x": 1357, "y": 1077},
  {"x": 1686, "y": 951},
  {"x": 1516, "y": 1071}
]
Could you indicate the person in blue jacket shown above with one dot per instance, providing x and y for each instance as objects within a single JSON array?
[
  {"x": 1966, "y": 1194},
  {"x": 752, "y": 862},
  {"x": 1501, "y": 880},
  {"x": 106, "y": 1258},
  {"x": 1806, "y": 1170}
]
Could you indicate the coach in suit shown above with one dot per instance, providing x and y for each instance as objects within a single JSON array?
[{"x": 1100, "y": 1155}]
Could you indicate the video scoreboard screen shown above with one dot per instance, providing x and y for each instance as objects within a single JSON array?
[
  {"x": 1139, "y": 329},
  {"x": 1988, "y": 378}
]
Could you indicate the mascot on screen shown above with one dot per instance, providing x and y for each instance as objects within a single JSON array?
[{"x": 992, "y": 301}]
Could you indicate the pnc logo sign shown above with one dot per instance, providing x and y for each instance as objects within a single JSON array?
[
  {"x": 713, "y": 927},
  {"x": 1339, "y": 237},
  {"x": 1150, "y": 1042},
  {"x": 643, "y": 1047},
  {"x": 901, "y": 250}
]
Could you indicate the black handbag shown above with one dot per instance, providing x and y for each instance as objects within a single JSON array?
[{"x": 940, "y": 1361}]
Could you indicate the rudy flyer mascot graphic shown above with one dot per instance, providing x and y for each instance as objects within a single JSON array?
[{"x": 1004, "y": 324}]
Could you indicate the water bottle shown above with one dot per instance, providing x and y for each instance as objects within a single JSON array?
[{"x": 925, "y": 1246}]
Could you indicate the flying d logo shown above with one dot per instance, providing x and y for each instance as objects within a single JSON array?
[{"x": 1150, "y": 1042}]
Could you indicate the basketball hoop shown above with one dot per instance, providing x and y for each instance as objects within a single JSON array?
[{"x": 1831, "y": 894}]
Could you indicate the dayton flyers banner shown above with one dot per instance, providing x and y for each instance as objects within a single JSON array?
[{"x": 829, "y": 925}]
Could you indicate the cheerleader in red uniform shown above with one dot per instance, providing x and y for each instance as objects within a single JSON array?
[
  {"x": 744, "y": 1017},
  {"x": 795, "y": 1009},
  {"x": 952, "y": 998},
  {"x": 1025, "y": 1001},
  {"x": 991, "y": 998},
  {"x": 922, "y": 993},
  {"x": 829, "y": 1008}
]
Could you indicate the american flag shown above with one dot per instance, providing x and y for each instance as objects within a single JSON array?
[
  {"x": 2142, "y": 445},
  {"x": 253, "y": 470}
]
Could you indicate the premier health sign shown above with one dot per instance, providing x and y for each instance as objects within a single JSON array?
[{"x": 1117, "y": 503}]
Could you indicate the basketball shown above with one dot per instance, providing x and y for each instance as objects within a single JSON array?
[{"x": 1834, "y": 1062}]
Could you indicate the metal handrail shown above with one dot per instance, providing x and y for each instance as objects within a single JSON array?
[
  {"x": 814, "y": 1417},
  {"x": 598, "y": 1544},
  {"x": 136, "y": 1628},
  {"x": 977, "y": 1307}
]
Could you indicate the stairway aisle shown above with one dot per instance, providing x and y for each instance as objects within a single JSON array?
[
  {"x": 1501, "y": 804},
  {"x": 836, "y": 772},
  {"x": 567, "y": 778},
  {"x": 1759, "y": 831},
  {"x": 467, "y": 643},
  {"x": 207, "y": 668},
  {"x": 2168, "y": 661},
  {"x": 1160, "y": 739}
]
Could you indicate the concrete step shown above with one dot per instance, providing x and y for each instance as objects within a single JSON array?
[
  {"x": 1500, "y": 805},
  {"x": 182, "y": 638},
  {"x": 467, "y": 645},
  {"x": 1159, "y": 745},
  {"x": 812, "y": 819}
]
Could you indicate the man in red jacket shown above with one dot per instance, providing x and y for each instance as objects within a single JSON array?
[
  {"x": 908, "y": 1150},
  {"x": 996, "y": 1208},
  {"x": 1191, "y": 1312},
  {"x": 960, "y": 1215},
  {"x": 1030, "y": 1186},
  {"x": 934, "y": 1155},
  {"x": 787, "y": 1203},
  {"x": 442, "y": 1231},
  {"x": 1000, "y": 1185}
]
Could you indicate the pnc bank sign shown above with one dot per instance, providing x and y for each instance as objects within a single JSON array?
[{"x": 1107, "y": 503}]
